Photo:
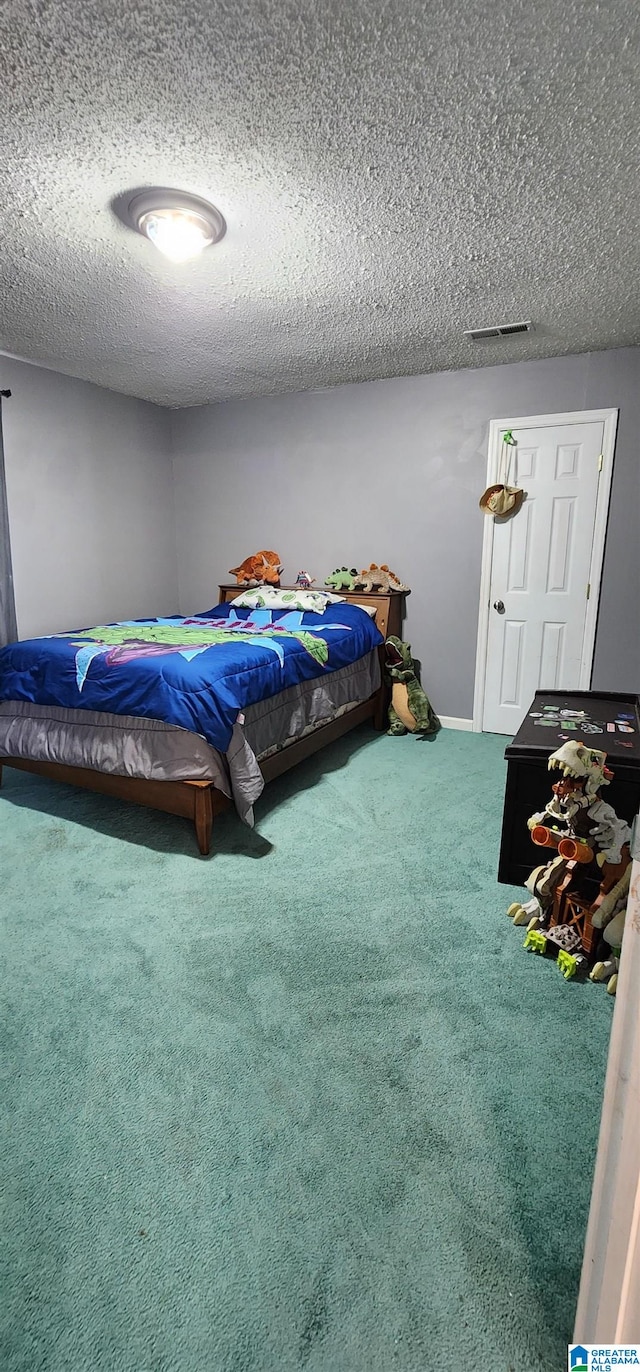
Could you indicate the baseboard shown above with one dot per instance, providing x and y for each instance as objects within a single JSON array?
[{"x": 450, "y": 722}]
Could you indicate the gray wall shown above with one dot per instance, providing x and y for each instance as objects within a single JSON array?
[
  {"x": 90, "y": 496},
  {"x": 391, "y": 471},
  {"x": 384, "y": 471}
]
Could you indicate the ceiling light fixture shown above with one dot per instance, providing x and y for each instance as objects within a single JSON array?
[{"x": 181, "y": 226}]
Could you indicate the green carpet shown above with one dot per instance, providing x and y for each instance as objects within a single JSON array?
[{"x": 306, "y": 1105}]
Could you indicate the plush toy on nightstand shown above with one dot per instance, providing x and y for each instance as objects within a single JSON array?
[
  {"x": 342, "y": 579},
  {"x": 379, "y": 578}
]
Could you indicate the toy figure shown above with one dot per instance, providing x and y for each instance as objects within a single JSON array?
[
  {"x": 380, "y": 579},
  {"x": 342, "y": 579},
  {"x": 262, "y": 569},
  {"x": 305, "y": 581},
  {"x": 410, "y": 709},
  {"x": 612, "y": 915},
  {"x": 584, "y": 884}
]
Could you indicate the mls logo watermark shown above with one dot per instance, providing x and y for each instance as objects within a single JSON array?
[{"x": 591, "y": 1357}]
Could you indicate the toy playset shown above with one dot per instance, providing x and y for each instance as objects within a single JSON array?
[
  {"x": 579, "y": 894},
  {"x": 609, "y": 720}
]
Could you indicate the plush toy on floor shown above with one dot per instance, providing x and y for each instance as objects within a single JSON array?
[
  {"x": 410, "y": 709},
  {"x": 263, "y": 568},
  {"x": 342, "y": 579}
]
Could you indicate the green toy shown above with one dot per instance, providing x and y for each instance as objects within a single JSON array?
[
  {"x": 535, "y": 941},
  {"x": 410, "y": 709},
  {"x": 568, "y": 964},
  {"x": 342, "y": 579}
]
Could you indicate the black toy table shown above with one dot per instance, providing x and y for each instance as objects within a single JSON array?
[{"x": 610, "y": 721}]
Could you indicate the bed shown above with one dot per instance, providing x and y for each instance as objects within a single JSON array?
[{"x": 135, "y": 714}]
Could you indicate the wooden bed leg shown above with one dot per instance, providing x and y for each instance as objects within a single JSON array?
[{"x": 203, "y": 818}]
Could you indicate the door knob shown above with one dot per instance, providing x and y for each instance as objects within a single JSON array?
[{"x": 499, "y": 606}]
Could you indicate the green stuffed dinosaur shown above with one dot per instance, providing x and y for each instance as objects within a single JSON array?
[
  {"x": 410, "y": 709},
  {"x": 342, "y": 579}
]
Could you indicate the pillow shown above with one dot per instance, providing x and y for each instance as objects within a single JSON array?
[{"x": 276, "y": 598}]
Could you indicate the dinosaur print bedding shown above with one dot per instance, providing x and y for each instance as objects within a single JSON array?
[{"x": 197, "y": 673}]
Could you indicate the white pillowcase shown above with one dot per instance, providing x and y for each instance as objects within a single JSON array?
[{"x": 275, "y": 598}]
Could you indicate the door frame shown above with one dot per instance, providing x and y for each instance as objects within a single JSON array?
[
  {"x": 609, "y": 418},
  {"x": 609, "y": 1301}
]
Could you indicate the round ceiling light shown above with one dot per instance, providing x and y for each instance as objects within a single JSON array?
[{"x": 181, "y": 226}]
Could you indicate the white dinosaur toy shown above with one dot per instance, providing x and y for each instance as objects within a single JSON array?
[
  {"x": 574, "y": 759},
  {"x": 587, "y": 767},
  {"x": 569, "y": 900},
  {"x": 611, "y": 918}
]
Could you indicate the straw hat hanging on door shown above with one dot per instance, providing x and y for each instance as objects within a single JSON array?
[{"x": 503, "y": 499}]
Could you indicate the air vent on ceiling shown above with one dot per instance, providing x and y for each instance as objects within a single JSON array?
[{"x": 499, "y": 331}]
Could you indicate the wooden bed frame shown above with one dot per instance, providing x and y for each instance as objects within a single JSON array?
[{"x": 200, "y": 801}]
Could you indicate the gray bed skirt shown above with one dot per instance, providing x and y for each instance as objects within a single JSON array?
[{"x": 126, "y": 745}]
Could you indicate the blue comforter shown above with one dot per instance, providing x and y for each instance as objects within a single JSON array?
[{"x": 196, "y": 673}]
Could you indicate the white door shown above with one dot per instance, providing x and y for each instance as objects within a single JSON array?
[{"x": 541, "y": 624}]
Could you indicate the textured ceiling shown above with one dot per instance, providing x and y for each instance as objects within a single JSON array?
[{"x": 391, "y": 173}]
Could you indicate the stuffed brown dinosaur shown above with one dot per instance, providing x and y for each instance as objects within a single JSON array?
[
  {"x": 263, "y": 567},
  {"x": 379, "y": 578}
]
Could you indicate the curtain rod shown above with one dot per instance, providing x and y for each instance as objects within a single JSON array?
[{"x": 6, "y": 394}]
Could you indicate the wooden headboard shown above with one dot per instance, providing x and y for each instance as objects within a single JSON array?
[{"x": 389, "y": 607}]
